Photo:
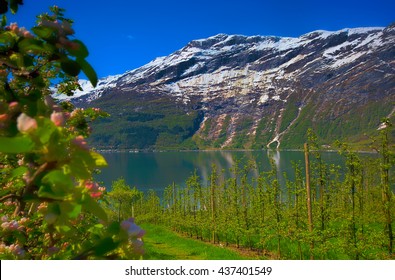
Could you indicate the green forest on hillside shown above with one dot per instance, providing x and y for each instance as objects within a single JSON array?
[{"x": 157, "y": 124}]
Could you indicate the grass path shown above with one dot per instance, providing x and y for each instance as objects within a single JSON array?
[{"x": 163, "y": 244}]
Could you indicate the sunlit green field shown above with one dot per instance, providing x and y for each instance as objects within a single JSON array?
[{"x": 163, "y": 244}]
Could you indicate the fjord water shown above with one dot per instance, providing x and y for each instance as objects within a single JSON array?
[{"x": 157, "y": 170}]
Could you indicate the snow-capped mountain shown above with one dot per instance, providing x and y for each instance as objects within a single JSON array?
[{"x": 253, "y": 91}]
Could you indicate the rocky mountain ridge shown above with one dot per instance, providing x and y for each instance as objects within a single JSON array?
[{"x": 234, "y": 91}]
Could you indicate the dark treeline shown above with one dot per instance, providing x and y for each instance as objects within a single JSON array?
[{"x": 351, "y": 215}]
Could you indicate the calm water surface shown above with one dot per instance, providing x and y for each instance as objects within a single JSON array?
[{"x": 157, "y": 170}]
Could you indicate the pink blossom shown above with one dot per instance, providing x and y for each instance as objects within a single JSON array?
[
  {"x": 14, "y": 27},
  {"x": 14, "y": 225},
  {"x": 8, "y": 203},
  {"x": 50, "y": 24},
  {"x": 67, "y": 28},
  {"x": 134, "y": 231},
  {"x": 25, "y": 123},
  {"x": 95, "y": 194},
  {"x": 80, "y": 142},
  {"x": 138, "y": 246},
  {"x": 76, "y": 112},
  {"x": 42, "y": 207},
  {"x": 95, "y": 190},
  {"x": 90, "y": 185},
  {"x": 13, "y": 105},
  {"x": 3, "y": 117},
  {"x": 67, "y": 115},
  {"x": 57, "y": 118},
  {"x": 27, "y": 34},
  {"x": 65, "y": 245},
  {"x": 23, "y": 220},
  {"x": 5, "y": 225},
  {"x": 17, "y": 250},
  {"x": 125, "y": 223}
]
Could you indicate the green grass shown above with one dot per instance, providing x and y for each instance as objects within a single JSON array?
[{"x": 161, "y": 243}]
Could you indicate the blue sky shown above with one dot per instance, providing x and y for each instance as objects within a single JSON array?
[{"x": 123, "y": 35}]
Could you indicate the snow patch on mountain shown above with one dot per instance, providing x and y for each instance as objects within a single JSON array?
[{"x": 88, "y": 90}]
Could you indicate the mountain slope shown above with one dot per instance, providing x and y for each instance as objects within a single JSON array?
[{"x": 233, "y": 91}]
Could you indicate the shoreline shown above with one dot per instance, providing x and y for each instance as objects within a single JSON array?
[{"x": 135, "y": 151}]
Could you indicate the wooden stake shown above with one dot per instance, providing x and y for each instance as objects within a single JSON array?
[{"x": 308, "y": 190}]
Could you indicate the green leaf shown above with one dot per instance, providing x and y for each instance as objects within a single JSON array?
[
  {"x": 4, "y": 192},
  {"x": 31, "y": 45},
  {"x": 48, "y": 47},
  {"x": 114, "y": 228},
  {"x": 14, "y": 5},
  {"x": 48, "y": 192},
  {"x": 56, "y": 185},
  {"x": 104, "y": 246},
  {"x": 92, "y": 206},
  {"x": 16, "y": 145},
  {"x": 98, "y": 159},
  {"x": 3, "y": 20},
  {"x": 63, "y": 229},
  {"x": 83, "y": 161},
  {"x": 43, "y": 32},
  {"x": 77, "y": 168},
  {"x": 5, "y": 37},
  {"x": 70, "y": 67},
  {"x": 29, "y": 61},
  {"x": 88, "y": 70},
  {"x": 58, "y": 181},
  {"x": 19, "y": 171},
  {"x": 96, "y": 229},
  {"x": 45, "y": 130},
  {"x": 96, "y": 232},
  {"x": 7, "y": 40},
  {"x": 71, "y": 210},
  {"x": 80, "y": 52},
  {"x": 17, "y": 58}
]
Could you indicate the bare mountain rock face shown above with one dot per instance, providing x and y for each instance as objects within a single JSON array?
[{"x": 233, "y": 91}]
